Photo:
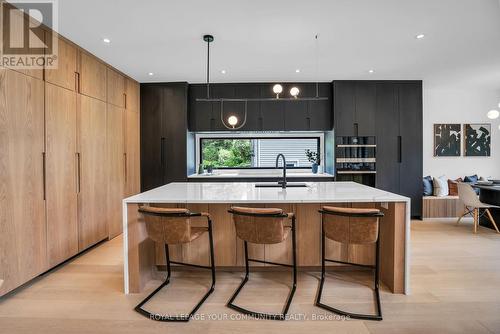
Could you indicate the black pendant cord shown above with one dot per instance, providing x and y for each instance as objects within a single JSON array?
[
  {"x": 208, "y": 39},
  {"x": 317, "y": 65},
  {"x": 208, "y": 69}
]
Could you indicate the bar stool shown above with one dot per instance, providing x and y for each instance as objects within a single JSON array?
[
  {"x": 360, "y": 227},
  {"x": 264, "y": 226},
  {"x": 171, "y": 226}
]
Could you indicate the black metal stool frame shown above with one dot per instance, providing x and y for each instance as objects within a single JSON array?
[
  {"x": 375, "y": 268},
  {"x": 260, "y": 315},
  {"x": 184, "y": 318}
]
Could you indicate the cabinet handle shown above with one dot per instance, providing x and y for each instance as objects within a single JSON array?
[
  {"x": 125, "y": 100},
  {"x": 125, "y": 165},
  {"x": 400, "y": 152},
  {"x": 356, "y": 129},
  {"x": 44, "y": 181},
  {"x": 77, "y": 82},
  {"x": 78, "y": 172},
  {"x": 162, "y": 149},
  {"x": 308, "y": 123}
]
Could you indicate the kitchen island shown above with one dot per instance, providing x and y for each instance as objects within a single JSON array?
[{"x": 141, "y": 255}]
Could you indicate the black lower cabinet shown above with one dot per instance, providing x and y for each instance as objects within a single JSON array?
[{"x": 163, "y": 133}]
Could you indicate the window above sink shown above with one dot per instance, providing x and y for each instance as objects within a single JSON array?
[{"x": 256, "y": 151}]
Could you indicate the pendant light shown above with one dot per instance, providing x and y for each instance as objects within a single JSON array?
[{"x": 232, "y": 122}]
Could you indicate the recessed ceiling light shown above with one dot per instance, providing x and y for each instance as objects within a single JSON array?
[
  {"x": 223, "y": 71},
  {"x": 420, "y": 36},
  {"x": 371, "y": 71},
  {"x": 297, "y": 70},
  {"x": 150, "y": 74},
  {"x": 106, "y": 40}
]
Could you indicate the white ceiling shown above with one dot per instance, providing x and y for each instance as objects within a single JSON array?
[{"x": 262, "y": 40}]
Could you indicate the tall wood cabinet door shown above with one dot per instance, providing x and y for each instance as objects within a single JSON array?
[
  {"x": 17, "y": 38},
  {"x": 65, "y": 74},
  {"x": 92, "y": 76},
  {"x": 410, "y": 123},
  {"x": 132, "y": 156},
  {"x": 116, "y": 88},
  {"x": 61, "y": 174},
  {"x": 132, "y": 95},
  {"x": 23, "y": 238},
  {"x": 92, "y": 196},
  {"x": 116, "y": 168},
  {"x": 387, "y": 132}
]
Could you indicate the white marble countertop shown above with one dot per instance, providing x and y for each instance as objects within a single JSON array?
[
  {"x": 231, "y": 174},
  {"x": 246, "y": 192}
]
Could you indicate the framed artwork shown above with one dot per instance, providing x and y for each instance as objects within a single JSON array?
[
  {"x": 477, "y": 140},
  {"x": 447, "y": 140}
]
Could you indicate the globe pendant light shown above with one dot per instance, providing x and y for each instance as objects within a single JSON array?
[
  {"x": 277, "y": 89},
  {"x": 493, "y": 114}
]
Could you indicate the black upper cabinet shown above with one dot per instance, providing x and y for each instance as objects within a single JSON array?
[
  {"x": 254, "y": 119},
  {"x": 273, "y": 115},
  {"x": 163, "y": 133},
  {"x": 320, "y": 112},
  {"x": 344, "y": 108},
  {"x": 202, "y": 118},
  {"x": 354, "y": 108},
  {"x": 365, "y": 108}
]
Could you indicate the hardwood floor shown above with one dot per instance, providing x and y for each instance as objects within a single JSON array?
[{"x": 455, "y": 289}]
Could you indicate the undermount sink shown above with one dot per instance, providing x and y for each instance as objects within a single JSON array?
[{"x": 277, "y": 185}]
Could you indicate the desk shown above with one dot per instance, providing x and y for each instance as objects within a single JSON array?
[{"x": 490, "y": 195}]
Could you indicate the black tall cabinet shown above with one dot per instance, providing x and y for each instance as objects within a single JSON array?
[
  {"x": 163, "y": 133},
  {"x": 392, "y": 112}
]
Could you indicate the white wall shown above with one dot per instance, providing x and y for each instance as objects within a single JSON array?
[{"x": 448, "y": 103}]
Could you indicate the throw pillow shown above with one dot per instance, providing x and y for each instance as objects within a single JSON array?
[
  {"x": 453, "y": 187},
  {"x": 428, "y": 191},
  {"x": 440, "y": 186},
  {"x": 471, "y": 179}
]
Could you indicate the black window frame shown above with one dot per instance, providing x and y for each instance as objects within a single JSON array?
[{"x": 318, "y": 140}]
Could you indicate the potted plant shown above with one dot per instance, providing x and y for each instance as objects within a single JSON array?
[
  {"x": 209, "y": 166},
  {"x": 313, "y": 158}
]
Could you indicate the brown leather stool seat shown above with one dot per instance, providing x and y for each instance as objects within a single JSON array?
[
  {"x": 351, "y": 226},
  {"x": 172, "y": 226},
  {"x": 264, "y": 226}
]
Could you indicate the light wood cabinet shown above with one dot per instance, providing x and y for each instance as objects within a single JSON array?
[
  {"x": 61, "y": 174},
  {"x": 67, "y": 159},
  {"x": 132, "y": 154},
  {"x": 92, "y": 76},
  {"x": 17, "y": 37},
  {"x": 92, "y": 196},
  {"x": 116, "y": 168},
  {"x": 23, "y": 237},
  {"x": 65, "y": 75},
  {"x": 132, "y": 94},
  {"x": 116, "y": 88}
]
